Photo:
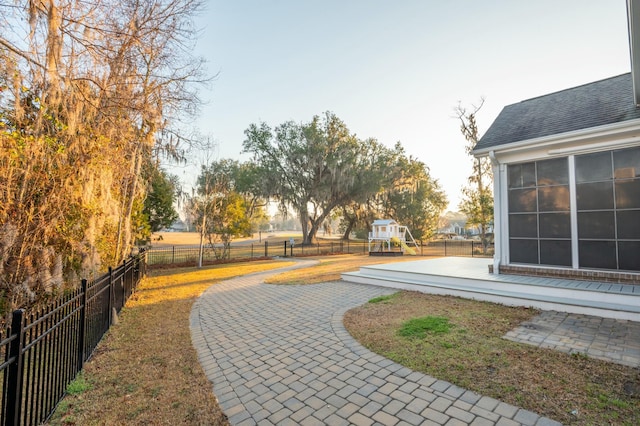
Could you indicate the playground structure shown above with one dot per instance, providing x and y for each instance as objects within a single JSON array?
[{"x": 390, "y": 239}]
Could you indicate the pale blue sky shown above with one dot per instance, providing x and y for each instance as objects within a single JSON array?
[{"x": 394, "y": 70}]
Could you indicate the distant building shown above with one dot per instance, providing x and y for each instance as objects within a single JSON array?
[{"x": 178, "y": 226}]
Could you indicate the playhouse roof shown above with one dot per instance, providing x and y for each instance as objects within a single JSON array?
[{"x": 383, "y": 222}]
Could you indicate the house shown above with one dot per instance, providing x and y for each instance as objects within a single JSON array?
[
  {"x": 178, "y": 226},
  {"x": 452, "y": 223},
  {"x": 566, "y": 205},
  {"x": 567, "y": 179}
]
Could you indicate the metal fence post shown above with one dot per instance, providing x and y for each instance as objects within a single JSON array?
[
  {"x": 111, "y": 295},
  {"x": 145, "y": 262},
  {"x": 15, "y": 373},
  {"x": 266, "y": 250},
  {"x": 285, "y": 248},
  {"x": 123, "y": 280},
  {"x": 83, "y": 325}
]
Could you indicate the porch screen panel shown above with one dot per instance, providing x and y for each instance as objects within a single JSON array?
[
  {"x": 626, "y": 170},
  {"x": 539, "y": 219},
  {"x": 608, "y": 203}
]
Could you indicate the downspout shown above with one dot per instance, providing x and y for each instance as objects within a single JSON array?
[
  {"x": 497, "y": 210},
  {"x": 633, "y": 20}
]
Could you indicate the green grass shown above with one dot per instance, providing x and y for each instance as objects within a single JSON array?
[
  {"x": 78, "y": 385},
  {"x": 420, "y": 327},
  {"x": 382, "y": 299},
  {"x": 461, "y": 341}
]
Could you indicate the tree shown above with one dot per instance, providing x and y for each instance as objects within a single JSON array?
[
  {"x": 377, "y": 172},
  {"x": 219, "y": 209},
  {"x": 227, "y": 222},
  {"x": 396, "y": 186},
  {"x": 88, "y": 91},
  {"x": 309, "y": 166},
  {"x": 244, "y": 179},
  {"x": 416, "y": 200},
  {"x": 319, "y": 167},
  {"x": 477, "y": 201},
  {"x": 159, "y": 204}
]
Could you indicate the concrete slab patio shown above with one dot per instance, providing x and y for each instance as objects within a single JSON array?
[{"x": 280, "y": 355}]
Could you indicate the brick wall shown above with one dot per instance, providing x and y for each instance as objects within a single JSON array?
[{"x": 571, "y": 274}]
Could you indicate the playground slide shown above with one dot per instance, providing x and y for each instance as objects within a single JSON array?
[{"x": 405, "y": 247}]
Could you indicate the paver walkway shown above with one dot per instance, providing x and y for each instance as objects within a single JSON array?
[
  {"x": 280, "y": 355},
  {"x": 603, "y": 338}
]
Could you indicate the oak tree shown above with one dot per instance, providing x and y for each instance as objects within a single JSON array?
[{"x": 311, "y": 167}]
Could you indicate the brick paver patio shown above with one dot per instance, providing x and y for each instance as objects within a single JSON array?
[{"x": 279, "y": 354}]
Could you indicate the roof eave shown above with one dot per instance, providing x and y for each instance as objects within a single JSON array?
[{"x": 593, "y": 138}]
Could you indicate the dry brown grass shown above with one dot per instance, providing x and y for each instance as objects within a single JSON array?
[
  {"x": 473, "y": 355},
  {"x": 145, "y": 371},
  {"x": 160, "y": 239},
  {"x": 331, "y": 267},
  {"x": 163, "y": 239}
]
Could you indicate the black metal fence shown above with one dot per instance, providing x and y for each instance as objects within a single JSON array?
[
  {"x": 462, "y": 248},
  {"x": 189, "y": 254},
  {"x": 44, "y": 351}
]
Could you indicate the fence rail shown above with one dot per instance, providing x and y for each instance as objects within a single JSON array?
[
  {"x": 44, "y": 351},
  {"x": 189, "y": 254}
]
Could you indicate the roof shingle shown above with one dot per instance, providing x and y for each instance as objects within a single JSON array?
[{"x": 594, "y": 104}]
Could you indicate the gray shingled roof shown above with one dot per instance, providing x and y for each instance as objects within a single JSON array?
[{"x": 602, "y": 102}]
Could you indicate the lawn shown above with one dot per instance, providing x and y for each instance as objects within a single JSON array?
[
  {"x": 460, "y": 341},
  {"x": 145, "y": 371},
  {"x": 164, "y": 239},
  {"x": 330, "y": 268}
]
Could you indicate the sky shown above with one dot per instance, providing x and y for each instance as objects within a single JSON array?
[{"x": 395, "y": 70}]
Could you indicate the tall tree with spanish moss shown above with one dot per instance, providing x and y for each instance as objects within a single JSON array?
[
  {"x": 477, "y": 197},
  {"x": 89, "y": 93},
  {"x": 312, "y": 167}
]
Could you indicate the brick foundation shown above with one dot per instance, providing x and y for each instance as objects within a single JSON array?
[{"x": 571, "y": 274}]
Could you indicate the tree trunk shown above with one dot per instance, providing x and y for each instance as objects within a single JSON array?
[
  {"x": 347, "y": 232},
  {"x": 202, "y": 232},
  {"x": 123, "y": 241},
  {"x": 315, "y": 226},
  {"x": 304, "y": 224},
  {"x": 311, "y": 237},
  {"x": 483, "y": 232}
]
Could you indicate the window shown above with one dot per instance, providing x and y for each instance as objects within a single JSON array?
[
  {"x": 608, "y": 203},
  {"x": 539, "y": 213},
  {"x": 607, "y": 216}
]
